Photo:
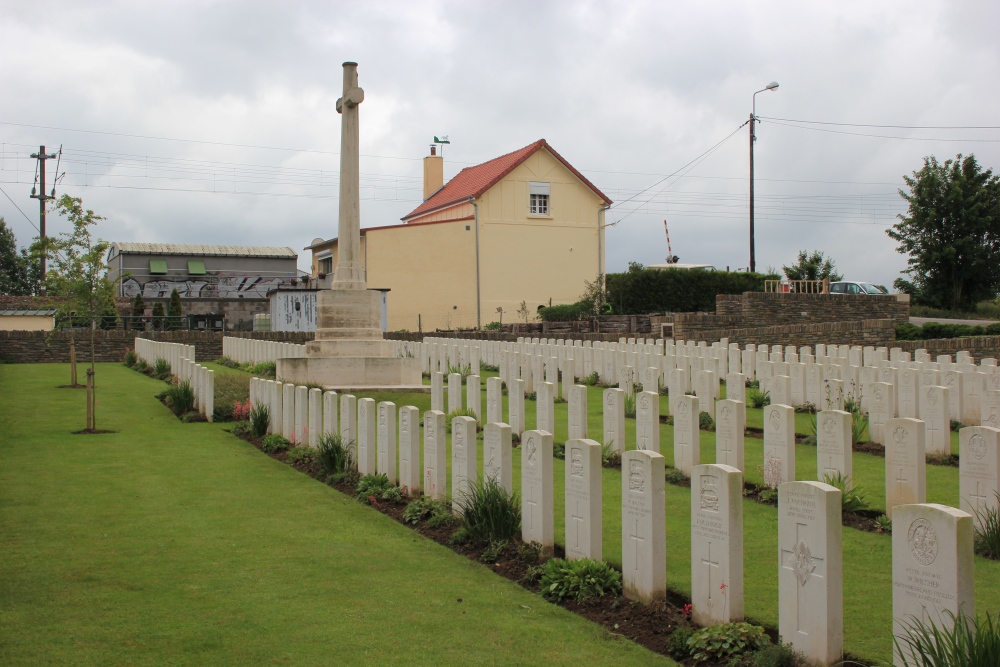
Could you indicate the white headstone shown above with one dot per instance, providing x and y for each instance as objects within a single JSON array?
[
  {"x": 779, "y": 445},
  {"x": 676, "y": 387},
  {"x": 954, "y": 381},
  {"x": 435, "y": 455},
  {"x": 882, "y": 410},
  {"x": 644, "y": 544},
  {"x": 989, "y": 409},
  {"x": 583, "y": 500},
  {"x": 781, "y": 390},
  {"x": 810, "y": 575},
  {"x": 978, "y": 470},
  {"x": 905, "y": 463},
  {"x": 935, "y": 412},
  {"x": 315, "y": 417},
  {"x": 614, "y": 419},
  {"x": 647, "y": 421},
  {"x": 515, "y": 406},
  {"x": 833, "y": 444},
  {"x": 932, "y": 567},
  {"x": 687, "y": 441},
  {"x": 705, "y": 391},
  {"x": 537, "y": 508},
  {"x": 577, "y": 412},
  {"x": 474, "y": 396},
  {"x": 454, "y": 392},
  {"x": 716, "y": 544},
  {"x": 437, "y": 391},
  {"x": 497, "y": 457},
  {"x": 494, "y": 400},
  {"x": 409, "y": 449},
  {"x": 386, "y": 440},
  {"x": 330, "y": 421},
  {"x": 349, "y": 424},
  {"x": 730, "y": 424},
  {"x": 367, "y": 452},
  {"x": 545, "y": 413},
  {"x": 288, "y": 411},
  {"x": 907, "y": 392},
  {"x": 463, "y": 459}
]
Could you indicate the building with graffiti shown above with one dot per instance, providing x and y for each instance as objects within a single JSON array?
[{"x": 233, "y": 281}]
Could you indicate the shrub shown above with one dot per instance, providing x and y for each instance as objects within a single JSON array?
[
  {"x": 301, "y": 454},
  {"x": 591, "y": 380},
  {"x": 852, "y": 498},
  {"x": 705, "y": 422},
  {"x": 641, "y": 290},
  {"x": 227, "y": 362},
  {"x": 859, "y": 427},
  {"x": 241, "y": 410},
  {"x": 677, "y": 643},
  {"x": 465, "y": 371},
  {"x": 610, "y": 457},
  {"x": 335, "y": 455},
  {"x": 883, "y": 524},
  {"x": 988, "y": 531},
  {"x": 241, "y": 429},
  {"x": 578, "y": 580},
  {"x": 142, "y": 366},
  {"x": 373, "y": 488},
  {"x": 265, "y": 369},
  {"x": 231, "y": 388},
  {"x": 222, "y": 413},
  {"x": 967, "y": 643},
  {"x": 757, "y": 399},
  {"x": 956, "y": 426},
  {"x": 768, "y": 496},
  {"x": 567, "y": 313},
  {"x": 180, "y": 397},
  {"x": 493, "y": 551},
  {"x": 260, "y": 419},
  {"x": 721, "y": 642},
  {"x": 428, "y": 509},
  {"x": 274, "y": 443},
  {"x": 675, "y": 476},
  {"x": 778, "y": 655},
  {"x": 630, "y": 405},
  {"x": 489, "y": 513},
  {"x": 461, "y": 412},
  {"x": 130, "y": 357},
  {"x": 162, "y": 368}
]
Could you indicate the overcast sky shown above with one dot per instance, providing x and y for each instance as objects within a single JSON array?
[{"x": 629, "y": 93}]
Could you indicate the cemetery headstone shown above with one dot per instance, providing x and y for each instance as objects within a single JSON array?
[
  {"x": 647, "y": 421},
  {"x": 905, "y": 463},
  {"x": 537, "y": 507},
  {"x": 716, "y": 544},
  {"x": 386, "y": 440},
  {"x": 644, "y": 545},
  {"x": 687, "y": 443},
  {"x": 497, "y": 458},
  {"x": 978, "y": 470},
  {"x": 730, "y": 424},
  {"x": 583, "y": 500},
  {"x": 435, "y": 455},
  {"x": 409, "y": 449}
]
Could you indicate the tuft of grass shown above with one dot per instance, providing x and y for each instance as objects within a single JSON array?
[
  {"x": 301, "y": 454},
  {"x": 489, "y": 513},
  {"x": 180, "y": 397},
  {"x": 335, "y": 455},
  {"x": 161, "y": 368},
  {"x": 274, "y": 443},
  {"x": 610, "y": 457},
  {"x": 757, "y": 399},
  {"x": 260, "y": 419},
  {"x": 461, "y": 412},
  {"x": 373, "y": 488},
  {"x": 630, "y": 405},
  {"x": 988, "y": 532},
  {"x": 859, "y": 428},
  {"x": 591, "y": 380},
  {"x": 883, "y": 524},
  {"x": 578, "y": 580},
  {"x": 962, "y": 642},
  {"x": 852, "y": 498},
  {"x": 705, "y": 422}
]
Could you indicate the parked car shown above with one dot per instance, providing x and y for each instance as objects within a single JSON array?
[{"x": 848, "y": 287}]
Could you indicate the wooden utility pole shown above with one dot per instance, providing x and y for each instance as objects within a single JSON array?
[
  {"x": 753, "y": 257},
  {"x": 40, "y": 195}
]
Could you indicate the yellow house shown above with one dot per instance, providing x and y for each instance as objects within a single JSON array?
[{"x": 524, "y": 227}]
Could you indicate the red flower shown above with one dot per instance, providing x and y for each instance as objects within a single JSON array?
[{"x": 687, "y": 609}]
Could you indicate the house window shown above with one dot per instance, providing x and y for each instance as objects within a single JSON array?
[
  {"x": 326, "y": 265},
  {"x": 539, "y": 198}
]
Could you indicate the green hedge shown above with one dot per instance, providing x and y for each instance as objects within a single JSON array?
[
  {"x": 566, "y": 313},
  {"x": 932, "y": 330},
  {"x": 641, "y": 291}
]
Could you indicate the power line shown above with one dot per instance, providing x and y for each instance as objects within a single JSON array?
[
  {"x": 19, "y": 208},
  {"x": 886, "y": 136},
  {"x": 900, "y": 127}
]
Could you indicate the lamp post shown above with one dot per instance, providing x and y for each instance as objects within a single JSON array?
[{"x": 753, "y": 137}]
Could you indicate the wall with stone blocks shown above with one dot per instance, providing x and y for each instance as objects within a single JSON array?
[
  {"x": 23, "y": 347},
  {"x": 978, "y": 346},
  {"x": 862, "y": 332},
  {"x": 778, "y": 308}
]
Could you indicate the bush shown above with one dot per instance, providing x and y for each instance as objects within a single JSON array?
[
  {"x": 569, "y": 312},
  {"x": 578, "y": 580},
  {"x": 675, "y": 476},
  {"x": 131, "y": 357},
  {"x": 230, "y": 389},
  {"x": 852, "y": 498},
  {"x": 373, "y": 488},
  {"x": 757, "y": 399},
  {"x": 677, "y": 643},
  {"x": 260, "y": 419},
  {"x": 274, "y": 443},
  {"x": 265, "y": 369},
  {"x": 778, "y": 655},
  {"x": 640, "y": 291},
  {"x": 931, "y": 330},
  {"x": 705, "y": 422},
  {"x": 722, "y": 642},
  {"x": 428, "y": 509},
  {"x": 241, "y": 429},
  {"x": 301, "y": 454},
  {"x": 883, "y": 524},
  {"x": 241, "y": 410},
  {"x": 180, "y": 397},
  {"x": 988, "y": 532},
  {"x": 142, "y": 366},
  {"x": 967, "y": 643},
  {"x": 161, "y": 369},
  {"x": 461, "y": 412},
  {"x": 591, "y": 380},
  {"x": 488, "y": 512},
  {"x": 610, "y": 457},
  {"x": 335, "y": 455}
]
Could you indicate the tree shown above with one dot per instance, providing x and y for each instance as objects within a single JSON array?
[
  {"x": 951, "y": 233},
  {"x": 174, "y": 310},
  {"x": 79, "y": 275},
  {"x": 14, "y": 274},
  {"x": 812, "y": 267}
]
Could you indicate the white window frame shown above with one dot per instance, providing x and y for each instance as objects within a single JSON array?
[{"x": 539, "y": 205}]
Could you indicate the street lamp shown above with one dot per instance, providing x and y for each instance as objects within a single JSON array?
[{"x": 753, "y": 137}]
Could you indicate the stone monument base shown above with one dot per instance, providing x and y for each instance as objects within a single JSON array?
[{"x": 362, "y": 373}]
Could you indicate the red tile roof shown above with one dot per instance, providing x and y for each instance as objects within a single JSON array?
[{"x": 472, "y": 182}]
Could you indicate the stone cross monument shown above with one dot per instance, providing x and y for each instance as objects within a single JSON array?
[{"x": 348, "y": 351}]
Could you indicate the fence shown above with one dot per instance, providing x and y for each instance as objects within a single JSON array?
[{"x": 181, "y": 359}]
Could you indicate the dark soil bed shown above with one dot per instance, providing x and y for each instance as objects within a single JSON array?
[
  {"x": 72, "y": 386},
  {"x": 92, "y": 431}
]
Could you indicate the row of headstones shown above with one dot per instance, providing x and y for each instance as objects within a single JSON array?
[
  {"x": 255, "y": 351},
  {"x": 181, "y": 359}
]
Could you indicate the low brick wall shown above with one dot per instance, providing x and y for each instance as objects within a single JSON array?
[
  {"x": 624, "y": 325},
  {"x": 767, "y": 309},
  {"x": 863, "y": 332},
  {"x": 32, "y": 347},
  {"x": 977, "y": 346},
  {"x": 508, "y": 337}
]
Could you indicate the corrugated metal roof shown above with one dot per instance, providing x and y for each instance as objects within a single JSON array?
[
  {"x": 203, "y": 249},
  {"x": 27, "y": 313}
]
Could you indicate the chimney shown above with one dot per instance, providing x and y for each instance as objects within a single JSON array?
[{"x": 433, "y": 173}]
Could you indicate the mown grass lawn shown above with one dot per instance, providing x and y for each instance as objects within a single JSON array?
[{"x": 169, "y": 543}]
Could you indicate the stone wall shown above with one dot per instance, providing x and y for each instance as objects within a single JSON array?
[
  {"x": 767, "y": 309},
  {"x": 24, "y": 347},
  {"x": 122, "y": 304},
  {"x": 860, "y": 332},
  {"x": 977, "y": 346},
  {"x": 625, "y": 325},
  {"x": 506, "y": 336}
]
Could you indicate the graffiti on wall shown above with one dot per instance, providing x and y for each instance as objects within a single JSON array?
[{"x": 233, "y": 286}]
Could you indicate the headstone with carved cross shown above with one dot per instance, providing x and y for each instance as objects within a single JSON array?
[
  {"x": 537, "y": 514},
  {"x": 779, "y": 445},
  {"x": 907, "y": 392},
  {"x": 474, "y": 396},
  {"x": 386, "y": 438},
  {"x": 833, "y": 444},
  {"x": 810, "y": 570},
  {"x": 583, "y": 500},
  {"x": 435, "y": 455},
  {"x": 367, "y": 452},
  {"x": 687, "y": 443},
  {"x": 647, "y": 421},
  {"x": 989, "y": 408},
  {"x": 545, "y": 415},
  {"x": 464, "y": 470},
  {"x": 614, "y": 419},
  {"x": 644, "y": 545},
  {"x": 730, "y": 424},
  {"x": 494, "y": 400},
  {"x": 883, "y": 408},
  {"x": 716, "y": 544},
  {"x": 905, "y": 463},
  {"x": 932, "y": 568},
  {"x": 935, "y": 411},
  {"x": 954, "y": 381},
  {"x": 515, "y": 406},
  {"x": 676, "y": 387},
  {"x": 497, "y": 458},
  {"x": 437, "y": 391},
  {"x": 409, "y": 449},
  {"x": 704, "y": 389},
  {"x": 577, "y": 412},
  {"x": 978, "y": 470}
]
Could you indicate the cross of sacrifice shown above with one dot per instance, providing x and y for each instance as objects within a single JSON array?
[
  {"x": 802, "y": 569},
  {"x": 709, "y": 563},
  {"x": 637, "y": 540}
]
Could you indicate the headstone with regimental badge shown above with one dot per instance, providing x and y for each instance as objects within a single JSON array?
[
  {"x": 716, "y": 544},
  {"x": 905, "y": 463},
  {"x": 644, "y": 545}
]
